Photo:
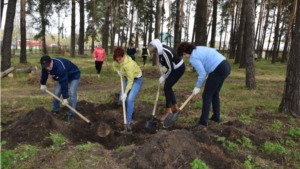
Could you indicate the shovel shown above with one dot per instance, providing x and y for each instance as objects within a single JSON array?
[
  {"x": 152, "y": 124},
  {"x": 124, "y": 109},
  {"x": 171, "y": 118},
  {"x": 71, "y": 108}
]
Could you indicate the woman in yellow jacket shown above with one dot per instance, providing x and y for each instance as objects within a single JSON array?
[{"x": 133, "y": 81}]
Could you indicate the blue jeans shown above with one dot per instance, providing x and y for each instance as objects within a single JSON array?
[
  {"x": 131, "y": 95},
  {"x": 72, "y": 94}
]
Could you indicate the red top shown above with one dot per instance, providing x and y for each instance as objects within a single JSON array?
[{"x": 99, "y": 54}]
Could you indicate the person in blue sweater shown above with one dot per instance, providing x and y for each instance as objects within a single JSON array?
[
  {"x": 209, "y": 61},
  {"x": 64, "y": 72}
]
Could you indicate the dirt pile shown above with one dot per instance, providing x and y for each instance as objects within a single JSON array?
[{"x": 175, "y": 147}]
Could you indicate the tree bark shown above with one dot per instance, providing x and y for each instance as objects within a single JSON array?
[
  {"x": 290, "y": 102},
  {"x": 23, "y": 58},
  {"x": 214, "y": 23},
  {"x": 177, "y": 25},
  {"x": 105, "y": 30},
  {"x": 81, "y": 28},
  {"x": 72, "y": 50},
  {"x": 276, "y": 33},
  {"x": 200, "y": 23},
  {"x": 158, "y": 15},
  {"x": 7, "y": 36},
  {"x": 250, "y": 43}
]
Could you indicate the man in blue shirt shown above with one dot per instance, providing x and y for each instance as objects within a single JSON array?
[
  {"x": 64, "y": 72},
  {"x": 209, "y": 61}
]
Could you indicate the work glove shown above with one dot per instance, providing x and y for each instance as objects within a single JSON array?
[
  {"x": 43, "y": 88},
  {"x": 124, "y": 96},
  {"x": 120, "y": 73},
  {"x": 64, "y": 102},
  {"x": 161, "y": 79},
  {"x": 196, "y": 90}
]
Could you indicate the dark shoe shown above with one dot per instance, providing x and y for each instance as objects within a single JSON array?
[
  {"x": 54, "y": 112},
  {"x": 70, "y": 118},
  {"x": 127, "y": 129},
  {"x": 213, "y": 120},
  {"x": 199, "y": 127}
]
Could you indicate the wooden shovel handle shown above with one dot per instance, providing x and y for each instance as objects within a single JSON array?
[
  {"x": 155, "y": 104},
  {"x": 75, "y": 111},
  {"x": 123, "y": 101},
  {"x": 187, "y": 100}
]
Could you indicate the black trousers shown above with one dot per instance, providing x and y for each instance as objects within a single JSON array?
[
  {"x": 144, "y": 59},
  {"x": 211, "y": 92},
  {"x": 170, "y": 82},
  {"x": 98, "y": 66}
]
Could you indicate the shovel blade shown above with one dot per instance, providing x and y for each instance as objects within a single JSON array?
[
  {"x": 170, "y": 119},
  {"x": 151, "y": 124}
]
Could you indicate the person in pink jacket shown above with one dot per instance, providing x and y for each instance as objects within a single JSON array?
[{"x": 99, "y": 57}]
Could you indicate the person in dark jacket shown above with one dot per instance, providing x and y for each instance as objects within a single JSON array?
[
  {"x": 131, "y": 51},
  {"x": 175, "y": 69},
  {"x": 145, "y": 54},
  {"x": 64, "y": 72}
]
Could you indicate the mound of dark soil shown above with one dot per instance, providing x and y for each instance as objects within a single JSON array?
[{"x": 175, "y": 147}]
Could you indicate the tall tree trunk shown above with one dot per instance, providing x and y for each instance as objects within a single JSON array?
[
  {"x": 288, "y": 32},
  {"x": 187, "y": 20},
  {"x": 105, "y": 28},
  {"x": 150, "y": 24},
  {"x": 7, "y": 36},
  {"x": 137, "y": 32},
  {"x": 72, "y": 50},
  {"x": 115, "y": 10},
  {"x": 268, "y": 54},
  {"x": 43, "y": 30},
  {"x": 1, "y": 11},
  {"x": 264, "y": 29},
  {"x": 131, "y": 22},
  {"x": 93, "y": 27},
  {"x": 232, "y": 31},
  {"x": 200, "y": 23},
  {"x": 81, "y": 28},
  {"x": 159, "y": 4},
  {"x": 23, "y": 58},
  {"x": 240, "y": 38},
  {"x": 250, "y": 43},
  {"x": 290, "y": 102},
  {"x": 177, "y": 25},
  {"x": 258, "y": 28},
  {"x": 276, "y": 33},
  {"x": 214, "y": 23}
]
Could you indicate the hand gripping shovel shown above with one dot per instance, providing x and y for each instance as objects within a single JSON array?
[
  {"x": 152, "y": 124},
  {"x": 171, "y": 118},
  {"x": 71, "y": 108}
]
